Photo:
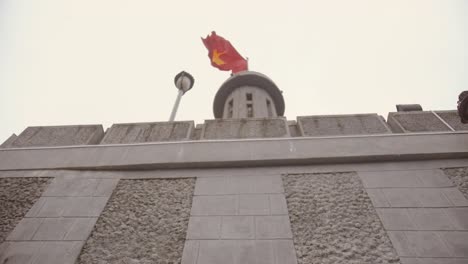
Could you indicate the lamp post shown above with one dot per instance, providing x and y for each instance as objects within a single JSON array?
[{"x": 183, "y": 82}]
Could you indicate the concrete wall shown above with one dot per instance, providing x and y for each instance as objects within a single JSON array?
[
  {"x": 453, "y": 120},
  {"x": 245, "y": 128},
  {"x": 43, "y": 136},
  {"x": 362, "y": 124},
  {"x": 148, "y": 132},
  {"x": 9, "y": 141},
  {"x": 419, "y": 121}
]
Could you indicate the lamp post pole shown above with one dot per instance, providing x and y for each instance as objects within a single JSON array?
[
  {"x": 176, "y": 105},
  {"x": 183, "y": 82}
]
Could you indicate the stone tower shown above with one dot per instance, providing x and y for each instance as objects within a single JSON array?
[{"x": 248, "y": 95}]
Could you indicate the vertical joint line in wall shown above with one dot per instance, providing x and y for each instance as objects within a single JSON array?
[{"x": 443, "y": 121}]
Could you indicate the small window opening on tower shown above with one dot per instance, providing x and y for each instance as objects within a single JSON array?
[
  {"x": 270, "y": 111},
  {"x": 248, "y": 96},
  {"x": 250, "y": 110},
  {"x": 230, "y": 108}
]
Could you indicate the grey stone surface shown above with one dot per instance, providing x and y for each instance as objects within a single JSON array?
[
  {"x": 239, "y": 252},
  {"x": 453, "y": 119},
  {"x": 333, "y": 220},
  {"x": 294, "y": 130},
  {"x": 148, "y": 132},
  {"x": 9, "y": 141},
  {"x": 405, "y": 178},
  {"x": 417, "y": 197},
  {"x": 245, "y": 128},
  {"x": 407, "y": 122},
  {"x": 145, "y": 221},
  {"x": 17, "y": 196},
  {"x": 59, "y": 136},
  {"x": 242, "y": 153},
  {"x": 459, "y": 176},
  {"x": 362, "y": 124}
]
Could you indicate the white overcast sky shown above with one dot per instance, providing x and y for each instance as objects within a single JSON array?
[{"x": 65, "y": 62}]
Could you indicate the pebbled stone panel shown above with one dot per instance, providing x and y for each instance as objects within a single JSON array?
[
  {"x": 333, "y": 220},
  {"x": 459, "y": 176},
  {"x": 17, "y": 196},
  {"x": 145, "y": 221}
]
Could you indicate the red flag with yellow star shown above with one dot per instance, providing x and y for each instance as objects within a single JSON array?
[{"x": 223, "y": 55}]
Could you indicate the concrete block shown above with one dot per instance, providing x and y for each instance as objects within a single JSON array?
[
  {"x": 106, "y": 187},
  {"x": 294, "y": 130},
  {"x": 237, "y": 227},
  {"x": 421, "y": 121},
  {"x": 85, "y": 206},
  {"x": 245, "y": 128},
  {"x": 278, "y": 204},
  {"x": 459, "y": 217},
  {"x": 71, "y": 186},
  {"x": 20, "y": 252},
  {"x": 204, "y": 227},
  {"x": 148, "y": 132},
  {"x": 427, "y": 244},
  {"x": 401, "y": 244},
  {"x": 63, "y": 252},
  {"x": 9, "y": 141},
  {"x": 49, "y": 207},
  {"x": 190, "y": 253},
  {"x": 431, "y": 197},
  {"x": 390, "y": 179},
  {"x": 59, "y": 136},
  {"x": 217, "y": 251},
  {"x": 402, "y": 197},
  {"x": 214, "y": 205},
  {"x": 378, "y": 198},
  {"x": 284, "y": 252},
  {"x": 455, "y": 196},
  {"x": 256, "y": 252},
  {"x": 53, "y": 228},
  {"x": 430, "y": 219},
  {"x": 25, "y": 229},
  {"x": 453, "y": 119},
  {"x": 254, "y": 204},
  {"x": 404, "y": 179},
  {"x": 362, "y": 124},
  {"x": 457, "y": 243},
  {"x": 272, "y": 227},
  {"x": 214, "y": 186},
  {"x": 81, "y": 228},
  {"x": 396, "y": 219},
  {"x": 435, "y": 178},
  {"x": 433, "y": 261}
]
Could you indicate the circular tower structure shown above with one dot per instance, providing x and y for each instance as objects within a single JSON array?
[{"x": 248, "y": 94}]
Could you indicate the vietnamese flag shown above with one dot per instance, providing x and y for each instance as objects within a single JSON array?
[{"x": 223, "y": 55}]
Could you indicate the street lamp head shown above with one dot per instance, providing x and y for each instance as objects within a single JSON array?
[
  {"x": 463, "y": 107},
  {"x": 184, "y": 81}
]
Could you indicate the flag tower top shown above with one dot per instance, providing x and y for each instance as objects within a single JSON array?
[{"x": 248, "y": 94}]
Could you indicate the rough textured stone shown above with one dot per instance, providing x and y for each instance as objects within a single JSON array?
[
  {"x": 17, "y": 196},
  {"x": 333, "y": 220},
  {"x": 342, "y": 125},
  {"x": 453, "y": 119},
  {"x": 245, "y": 128},
  {"x": 145, "y": 221},
  {"x": 147, "y": 132},
  {"x": 459, "y": 176},
  {"x": 59, "y": 136},
  {"x": 407, "y": 122}
]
